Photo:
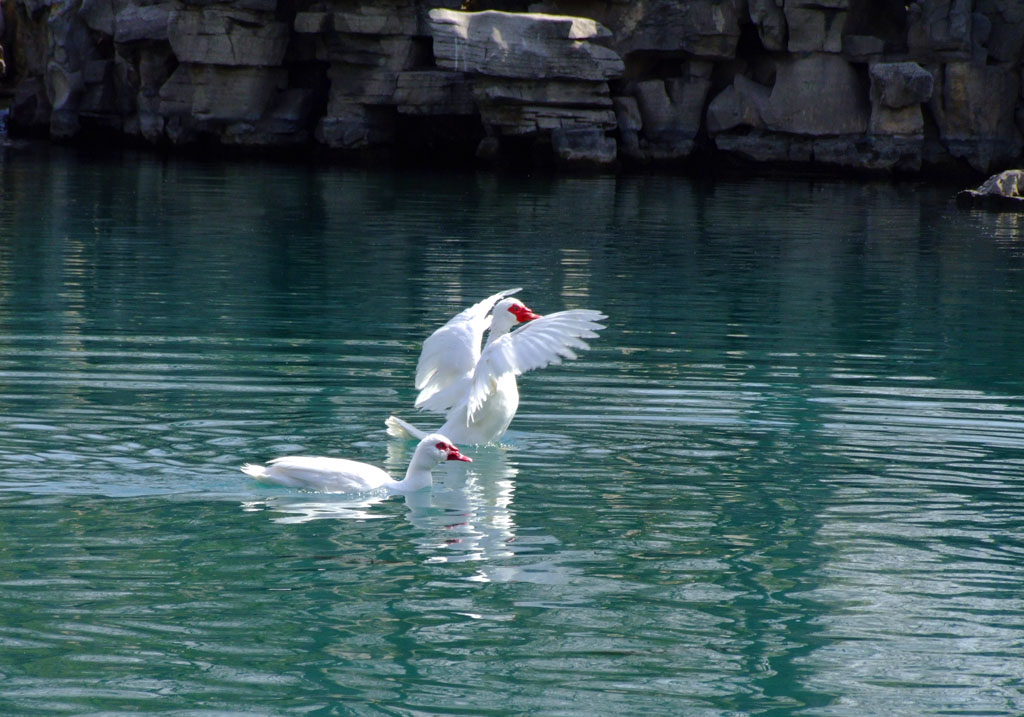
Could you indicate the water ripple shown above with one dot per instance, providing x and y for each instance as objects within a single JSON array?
[{"x": 785, "y": 479}]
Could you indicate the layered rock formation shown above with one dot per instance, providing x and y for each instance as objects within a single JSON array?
[
  {"x": 850, "y": 84},
  {"x": 534, "y": 75}
]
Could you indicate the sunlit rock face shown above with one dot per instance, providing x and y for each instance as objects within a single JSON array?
[
  {"x": 866, "y": 85},
  {"x": 535, "y": 75}
]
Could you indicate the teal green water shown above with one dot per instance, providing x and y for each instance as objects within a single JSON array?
[{"x": 788, "y": 479}]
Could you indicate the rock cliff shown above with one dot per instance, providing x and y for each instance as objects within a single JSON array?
[{"x": 857, "y": 84}]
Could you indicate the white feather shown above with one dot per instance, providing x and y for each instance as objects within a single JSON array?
[
  {"x": 542, "y": 342},
  {"x": 449, "y": 355}
]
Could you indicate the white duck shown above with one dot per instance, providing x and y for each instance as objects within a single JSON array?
[
  {"x": 476, "y": 389},
  {"x": 339, "y": 475}
]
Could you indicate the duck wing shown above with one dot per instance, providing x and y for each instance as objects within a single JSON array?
[
  {"x": 544, "y": 341},
  {"x": 450, "y": 354},
  {"x": 319, "y": 473}
]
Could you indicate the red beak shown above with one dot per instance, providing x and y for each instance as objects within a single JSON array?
[
  {"x": 454, "y": 455},
  {"x": 525, "y": 315}
]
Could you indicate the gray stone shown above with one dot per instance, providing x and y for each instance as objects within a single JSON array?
[
  {"x": 771, "y": 23},
  {"x": 362, "y": 85},
  {"x": 522, "y": 45},
  {"x": 550, "y": 92},
  {"x": 727, "y": 111},
  {"x": 151, "y": 127},
  {"x": 973, "y": 106},
  {"x": 583, "y": 147},
  {"x": 357, "y": 128},
  {"x": 63, "y": 87},
  {"x": 814, "y": 29},
  {"x": 981, "y": 28},
  {"x": 312, "y": 22},
  {"x": 868, "y": 154},
  {"x": 900, "y": 84},
  {"x": 893, "y": 154},
  {"x": 227, "y": 37},
  {"x": 155, "y": 64},
  {"x": 739, "y": 105},
  {"x": 294, "y": 105},
  {"x": 284, "y": 124},
  {"x": 820, "y": 4},
  {"x": 939, "y": 29},
  {"x": 142, "y": 22},
  {"x": 180, "y": 130},
  {"x": 666, "y": 150},
  {"x": 974, "y": 101},
  {"x": 434, "y": 92},
  {"x": 708, "y": 29},
  {"x": 35, "y": 7},
  {"x": 534, "y": 74},
  {"x": 817, "y": 95},
  {"x": 176, "y": 93},
  {"x": 627, "y": 114},
  {"x": 233, "y": 94},
  {"x": 33, "y": 53},
  {"x": 515, "y": 119},
  {"x": 758, "y": 146},
  {"x": 876, "y": 155},
  {"x": 370, "y": 19},
  {"x": 1005, "y": 41},
  {"x": 98, "y": 15},
  {"x": 863, "y": 48},
  {"x": 903, "y": 121},
  {"x": 395, "y": 52},
  {"x": 30, "y": 107},
  {"x": 167, "y": 70},
  {"x": 98, "y": 95},
  {"x": 70, "y": 44},
  {"x": 672, "y": 107},
  {"x": 363, "y": 19}
]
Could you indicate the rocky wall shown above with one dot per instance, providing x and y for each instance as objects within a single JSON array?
[{"x": 848, "y": 84}]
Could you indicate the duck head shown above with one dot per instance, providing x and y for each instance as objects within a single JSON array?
[
  {"x": 443, "y": 449},
  {"x": 507, "y": 313}
]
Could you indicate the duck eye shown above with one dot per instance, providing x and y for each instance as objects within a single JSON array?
[{"x": 442, "y": 446}]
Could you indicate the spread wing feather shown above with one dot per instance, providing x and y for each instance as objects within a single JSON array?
[
  {"x": 542, "y": 342},
  {"x": 451, "y": 353}
]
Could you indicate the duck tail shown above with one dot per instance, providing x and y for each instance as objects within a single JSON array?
[
  {"x": 398, "y": 428},
  {"x": 256, "y": 471}
]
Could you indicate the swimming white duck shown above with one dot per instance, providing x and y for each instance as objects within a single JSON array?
[
  {"x": 476, "y": 389},
  {"x": 339, "y": 475}
]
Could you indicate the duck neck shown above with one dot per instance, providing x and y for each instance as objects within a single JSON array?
[
  {"x": 417, "y": 476},
  {"x": 500, "y": 325}
]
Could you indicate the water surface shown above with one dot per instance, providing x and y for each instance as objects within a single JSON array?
[{"x": 785, "y": 480}]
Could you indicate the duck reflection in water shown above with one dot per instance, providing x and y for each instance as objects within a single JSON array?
[{"x": 469, "y": 513}]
